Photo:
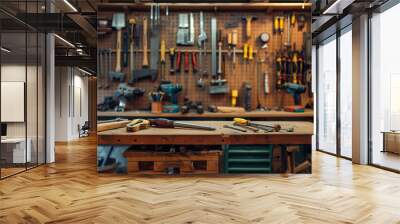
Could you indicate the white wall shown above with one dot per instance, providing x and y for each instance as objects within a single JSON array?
[{"x": 71, "y": 102}]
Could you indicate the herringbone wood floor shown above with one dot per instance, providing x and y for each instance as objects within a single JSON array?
[{"x": 71, "y": 191}]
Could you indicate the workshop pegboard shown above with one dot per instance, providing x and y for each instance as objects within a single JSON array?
[{"x": 235, "y": 75}]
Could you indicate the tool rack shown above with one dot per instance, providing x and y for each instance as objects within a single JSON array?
[
  {"x": 235, "y": 75},
  {"x": 119, "y": 150}
]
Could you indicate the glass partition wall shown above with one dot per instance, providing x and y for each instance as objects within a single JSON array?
[
  {"x": 22, "y": 77},
  {"x": 334, "y": 95},
  {"x": 385, "y": 90}
]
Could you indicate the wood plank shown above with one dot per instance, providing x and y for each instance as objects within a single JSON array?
[
  {"x": 252, "y": 114},
  {"x": 301, "y": 135}
]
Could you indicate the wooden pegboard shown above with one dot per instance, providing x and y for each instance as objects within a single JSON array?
[{"x": 235, "y": 76}]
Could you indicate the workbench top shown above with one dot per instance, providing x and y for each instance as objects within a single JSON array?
[
  {"x": 301, "y": 135},
  {"x": 253, "y": 114}
]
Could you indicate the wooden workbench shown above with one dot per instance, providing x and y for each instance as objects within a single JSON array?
[
  {"x": 264, "y": 115},
  {"x": 221, "y": 136}
]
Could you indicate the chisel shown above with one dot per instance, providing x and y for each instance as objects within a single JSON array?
[{"x": 165, "y": 123}]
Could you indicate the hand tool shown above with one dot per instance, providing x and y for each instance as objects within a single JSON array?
[
  {"x": 118, "y": 23},
  {"x": 264, "y": 127},
  {"x": 245, "y": 54},
  {"x": 278, "y": 64},
  {"x": 156, "y": 96},
  {"x": 189, "y": 105},
  {"x": 111, "y": 120},
  {"x": 288, "y": 41},
  {"x": 201, "y": 41},
  {"x": 229, "y": 43},
  {"x": 194, "y": 63},
  {"x": 295, "y": 90},
  {"x": 230, "y": 109},
  {"x": 171, "y": 90},
  {"x": 276, "y": 25},
  {"x": 294, "y": 67},
  {"x": 132, "y": 22},
  {"x": 125, "y": 49},
  {"x": 172, "y": 60},
  {"x": 112, "y": 125},
  {"x": 178, "y": 61},
  {"x": 234, "y": 44},
  {"x": 155, "y": 38},
  {"x": 248, "y": 20},
  {"x": 186, "y": 62},
  {"x": 301, "y": 22},
  {"x": 281, "y": 24},
  {"x": 235, "y": 128},
  {"x": 137, "y": 125},
  {"x": 185, "y": 34},
  {"x": 145, "y": 72},
  {"x": 162, "y": 59},
  {"x": 246, "y": 96},
  {"x": 253, "y": 129},
  {"x": 234, "y": 97},
  {"x": 260, "y": 60},
  {"x": 264, "y": 38},
  {"x": 214, "y": 47},
  {"x": 266, "y": 83},
  {"x": 300, "y": 68},
  {"x": 103, "y": 26},
  {"x": 219, "y": 71},
  {"x": 109, "y": 103},
  {"x": 165, "y": 123},
  {"x": 125, "y": 93}
]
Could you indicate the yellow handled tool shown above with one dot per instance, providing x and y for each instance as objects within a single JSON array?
[
  {"x": 269, "y": 128},
  {"x": 245, "y": 51},
  {"x": 234, "y": 97},
  {"x": 250, "y": 52},
  {"x": 137, "y": 125}
]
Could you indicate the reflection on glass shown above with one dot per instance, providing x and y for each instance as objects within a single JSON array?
[
  {"x": 346, "y": 94},
  {"x": 385, "y": 86},
  {"x": 327, "y": 97}
]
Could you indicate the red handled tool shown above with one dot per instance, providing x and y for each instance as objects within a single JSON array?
[
  {"x": 194, "y": 62},
  {"x": 186, "y": 63}
]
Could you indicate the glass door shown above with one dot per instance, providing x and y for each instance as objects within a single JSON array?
[{"x": 326, "y": 98}]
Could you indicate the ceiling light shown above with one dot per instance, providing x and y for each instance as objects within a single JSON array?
[
  {"x": 70, "y": 5},
  {"x": 65, "y": 41},
  {"x": 84, "y": 71},
  {"x": 5, "y": 49}
]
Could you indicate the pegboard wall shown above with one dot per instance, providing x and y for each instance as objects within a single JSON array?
[{"x": 234, "y": 74}]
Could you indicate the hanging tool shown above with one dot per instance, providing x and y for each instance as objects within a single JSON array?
[
  {"x": 132, "y": 22},
  {"x": 235, "y": 94},
  {"x": 219, "y": 71},
  {"x": 155, "y": 36},
  {"x": 246, "y": 96},
  {"x": 248, "y": 20},
  {"x": 162, "y": 59},
  {"x": 245, "y": 55},
  {"x": 214, "y": 47},
  {"x": 264, "y": 38},
  {"x": 125, "y": 52},
  {"x": 234, "y": 44},
  {"x": 194, "y": 63},
  {"x": 201, "y": 42},
  {"x": 178, "y": 61},
  {"x": 118, "y": 23},
  {"x": 186, "y": 62},
  {"x": 165, "y": 123},
  {"x": 125, "y": 93},
  {"x": 137, "y": 125},
  {"x": 172, "y": 61},
  {"x": 288, "y": 40},
  {"x": 229, "y": 43},
  {"x": 185, "y": 34},
  {"x": 301, "y": 22},
  {"x": 235, "y": 128},
  {"x": 218, "y": 86},
  {"x": 294, "y": 67},
  {"x": 145, "y": 72},
  {"x": 295, "y": 90}
]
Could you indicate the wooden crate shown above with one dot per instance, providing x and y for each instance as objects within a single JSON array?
[{"x": 202, "y": 162}]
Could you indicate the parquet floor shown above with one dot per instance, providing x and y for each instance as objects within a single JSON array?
[{"x": 70, "y": 191}]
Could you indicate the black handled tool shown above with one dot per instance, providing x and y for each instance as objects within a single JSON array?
[
  {"x": 235, "y": 128},
  {"x": 172, "y": 60},
  {"x": 165, "y": 123}
]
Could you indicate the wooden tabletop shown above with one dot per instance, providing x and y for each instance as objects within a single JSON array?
[
  {"x": 166, "y": 136},
  {"x": 253, "y": 114}
]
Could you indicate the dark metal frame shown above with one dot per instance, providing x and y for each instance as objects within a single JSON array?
[
  {"x": 340, "y": 29},
  {"x": 389, "y": 4},
  {"x": 44, "y": 57}
]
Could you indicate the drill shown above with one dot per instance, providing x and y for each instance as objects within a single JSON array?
[{"x": 295, "y": 90}]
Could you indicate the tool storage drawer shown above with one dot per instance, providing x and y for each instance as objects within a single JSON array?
[{"x": 247, "y": 158}]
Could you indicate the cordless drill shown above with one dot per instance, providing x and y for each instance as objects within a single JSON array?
[{"x": 295, "y": 90}]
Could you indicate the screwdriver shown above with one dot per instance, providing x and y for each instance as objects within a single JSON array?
[
  {"x": 165, "y": 123},
  {"x": 172, "y": 60},
  {"x": 162, "y": 59}
]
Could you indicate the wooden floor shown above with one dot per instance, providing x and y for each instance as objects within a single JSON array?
[{"x": 71, "y": 191}]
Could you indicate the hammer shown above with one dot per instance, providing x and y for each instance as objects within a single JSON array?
[{"x": 248, "y": 20}]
